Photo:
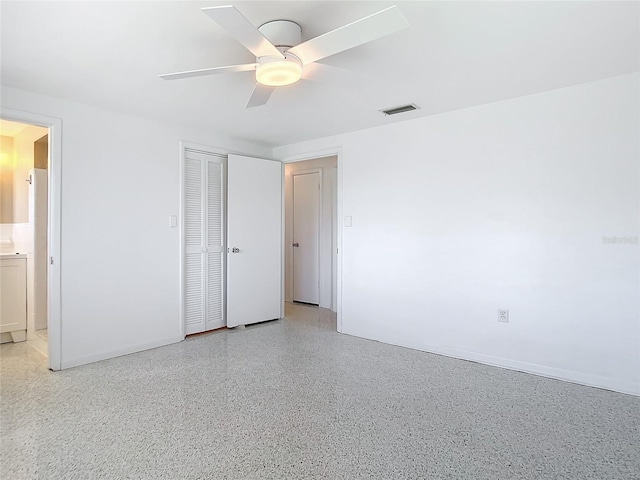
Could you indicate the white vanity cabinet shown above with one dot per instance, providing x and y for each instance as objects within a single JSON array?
[{"x": 13, "y": 298}]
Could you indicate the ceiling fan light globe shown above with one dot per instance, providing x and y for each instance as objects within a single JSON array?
[{"x": 278, "y": 73}]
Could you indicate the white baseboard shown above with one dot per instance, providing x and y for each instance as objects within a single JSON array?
[
  {"x": 580, "y": 378},
  {"x": 118, "y": 352}
]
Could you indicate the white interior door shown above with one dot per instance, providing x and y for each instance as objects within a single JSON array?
[
  {"x": 254, "y": 226},
  {"x": 203, "y": 241},
  {"x": 306, "y": 238},
  {"x": 214, "y": 245}
]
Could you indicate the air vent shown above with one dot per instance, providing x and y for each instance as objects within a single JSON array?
[{"x": 402, "y": 109}]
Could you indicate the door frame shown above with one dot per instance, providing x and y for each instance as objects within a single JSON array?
[
  {"x": 184, "y": 145},
  {"x": 320, "y": 230},
  {"x": 54, "y": 182},
  {"x": 328, "y": 152}
]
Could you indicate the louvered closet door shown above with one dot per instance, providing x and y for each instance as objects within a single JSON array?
[
  {"x": 204, "y": 241},
  {"x": 214, "y": 298}
]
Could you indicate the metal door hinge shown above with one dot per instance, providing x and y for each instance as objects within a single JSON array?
[{"x": 51, "y": 260}]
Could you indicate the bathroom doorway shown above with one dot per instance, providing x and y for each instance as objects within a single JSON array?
[
  {"x": 24, "y": 232},
  {"x": 311, "y": 232}
]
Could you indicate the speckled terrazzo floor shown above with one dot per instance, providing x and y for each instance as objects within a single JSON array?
[{"x": 293, "y": 399}]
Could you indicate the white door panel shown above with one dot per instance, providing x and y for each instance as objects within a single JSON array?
[
  {"x": 214, "y": 257},
  {"x": 254, "y": 208},
  {"x": 306, "y": 239},
  {"x": 193, "y": 248},
  {"x": 203, "y": 241}
]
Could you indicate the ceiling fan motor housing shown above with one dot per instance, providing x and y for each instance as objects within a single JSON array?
[{"x": 282, "y": 33}]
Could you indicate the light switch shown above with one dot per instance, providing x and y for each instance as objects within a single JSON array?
[
  {"x": 347, "y": 221},
  {"x": 173, "y": 221}
]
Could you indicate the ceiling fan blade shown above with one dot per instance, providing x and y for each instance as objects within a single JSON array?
[
  {"x": 260, "y": 95},
  {"x": 209, "y": 71},
  {"x": 342, "y": 77},
  {"x": 356, "y": 33},
  {"x": 236, "y": 24}
]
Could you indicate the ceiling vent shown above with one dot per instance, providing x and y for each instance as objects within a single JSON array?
[{"x": 401, "y": 109}]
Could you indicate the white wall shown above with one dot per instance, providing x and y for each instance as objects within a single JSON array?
[
  {"x": 24, "y": 228},
  {"x": 120, "y": 259},
  {"x": 500, "y": 206},
  {"x": 6, "y": 180},
  {"x": 328, "y": 168},
  {"x": 38, "y": 256},
  {"x": 23, "y": 145}
]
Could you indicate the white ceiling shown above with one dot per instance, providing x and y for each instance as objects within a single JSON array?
[
  {"x": 454, "y": 55},
  {"x": 11, "y": 129}
]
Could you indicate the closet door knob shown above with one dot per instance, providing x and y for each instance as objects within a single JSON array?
[
  {"x": 296, "y": 244},
  {"x": 235, "y": 250}
]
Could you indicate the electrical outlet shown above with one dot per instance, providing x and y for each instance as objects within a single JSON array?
[{"x": 503, "y": 315}]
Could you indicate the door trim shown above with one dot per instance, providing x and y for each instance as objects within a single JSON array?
[
  {"x": 320, "y": 258},
  {"x": 337, "y": 151},
  {"x": 54, "y": 167}
]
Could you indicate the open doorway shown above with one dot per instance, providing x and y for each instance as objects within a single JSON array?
[
  {"x": 24, "y": 232},
  {"x": 310, "y": 232}
]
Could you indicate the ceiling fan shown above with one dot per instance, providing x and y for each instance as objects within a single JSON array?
[{"x": 280, "y": 55}]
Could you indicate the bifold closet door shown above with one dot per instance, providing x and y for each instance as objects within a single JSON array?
[{"x": 204, "y": 241}]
